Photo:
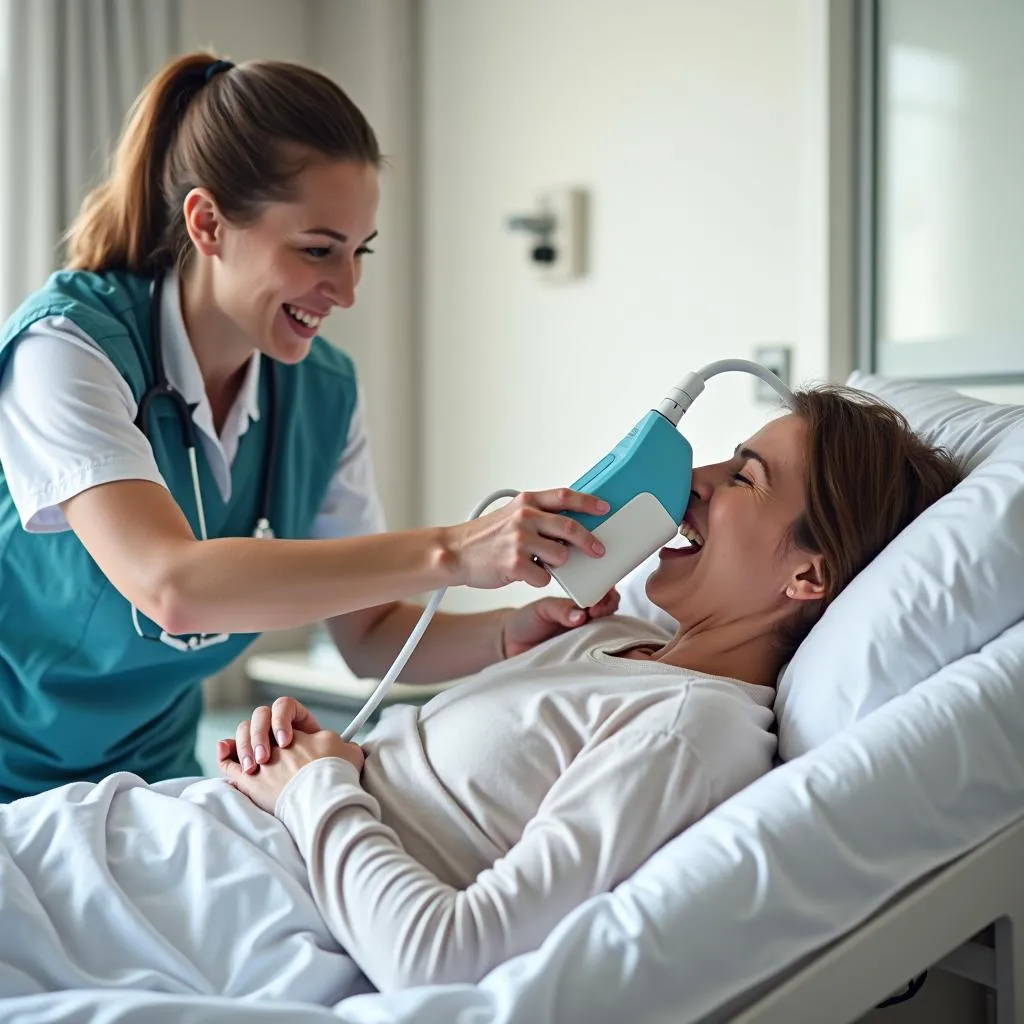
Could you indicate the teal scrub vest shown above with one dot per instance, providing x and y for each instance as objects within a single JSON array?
[{"x": 81, "y": 693}]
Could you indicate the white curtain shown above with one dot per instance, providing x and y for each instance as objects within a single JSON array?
[{"x": 69, "y": 70}]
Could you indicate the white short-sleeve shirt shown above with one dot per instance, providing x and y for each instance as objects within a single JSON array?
[{"x": 67, "y": 423}]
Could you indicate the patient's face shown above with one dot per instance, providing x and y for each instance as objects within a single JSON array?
[{"x": 743, "y": 509}]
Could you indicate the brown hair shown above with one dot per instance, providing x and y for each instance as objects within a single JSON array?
[
  {"x": 243, "y": 132},
  {"x": 867, "y": 476}
]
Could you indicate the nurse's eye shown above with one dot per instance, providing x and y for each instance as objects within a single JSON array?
[
  {"x": 364, "y": 250},
  {"x": 318, "y": 252}
]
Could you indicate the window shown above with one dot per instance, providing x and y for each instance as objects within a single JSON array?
[{"x": 943, "y": 224}]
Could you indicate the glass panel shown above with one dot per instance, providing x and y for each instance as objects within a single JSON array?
[{"x": 950, "y": 199}]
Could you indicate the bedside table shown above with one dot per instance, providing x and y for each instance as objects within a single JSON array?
[{"x": 326, "y": 681}]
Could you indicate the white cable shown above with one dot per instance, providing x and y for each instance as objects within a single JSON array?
[
  {"x": 681, "y": 397},
  {"x": 414, "y": 637},
  {"x": 748, "y": 366}
]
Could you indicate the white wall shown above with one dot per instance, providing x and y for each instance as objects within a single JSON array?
[
  {"x": 700, "y": 131},
  {"x": 242, "y": 30},
  {"x": 369, "y": 48}
]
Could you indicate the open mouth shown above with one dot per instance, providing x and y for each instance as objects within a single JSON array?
[
  {"x": 692, "y": 548},
  {"x": 694, "y": 538},
  {"x": 302, "y": 320}
]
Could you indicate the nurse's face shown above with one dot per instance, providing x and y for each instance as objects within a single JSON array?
[{"x": 278, "y": 278}]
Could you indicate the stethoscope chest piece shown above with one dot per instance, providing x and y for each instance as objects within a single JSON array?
[{"x": 263, "y": 530}]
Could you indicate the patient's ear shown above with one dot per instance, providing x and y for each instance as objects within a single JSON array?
[{"x": 806, "y": 584}]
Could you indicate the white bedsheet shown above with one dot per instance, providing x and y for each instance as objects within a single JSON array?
[{"x": 783, "y": 868}]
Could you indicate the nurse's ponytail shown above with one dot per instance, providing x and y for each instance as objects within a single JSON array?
[
  {"x": 122, "y": 224},
  {"x": 242, "y": 132}
]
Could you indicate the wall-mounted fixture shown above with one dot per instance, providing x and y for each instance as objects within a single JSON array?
[{"x": 558, "y": 234}]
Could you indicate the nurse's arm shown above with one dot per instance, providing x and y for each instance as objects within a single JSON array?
[
  {"x": 144, "y": 545},
  {"x": 142, "y": 542}
]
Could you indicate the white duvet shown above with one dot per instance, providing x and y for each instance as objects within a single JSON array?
[
  {"x": 182, "y": 888},
  {"x": 98, "y": 898}
]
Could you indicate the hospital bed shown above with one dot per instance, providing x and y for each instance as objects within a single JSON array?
[
  {"x": 947, "y": 911},
  {"x": 888, "y": 841}
]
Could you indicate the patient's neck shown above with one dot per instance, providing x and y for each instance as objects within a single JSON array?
[{"x": 737, "y": 650}]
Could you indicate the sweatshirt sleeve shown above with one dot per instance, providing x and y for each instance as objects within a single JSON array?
[{"x": 615, "y": 804}]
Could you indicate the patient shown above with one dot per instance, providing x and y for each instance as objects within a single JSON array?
[
  {"x": 477, "y": 822},
  {"x": 462, "y": 832}
]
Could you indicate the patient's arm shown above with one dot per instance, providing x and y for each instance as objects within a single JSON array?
[
  {"x": 455, "y": 645},
  {"x": 613, "y": 806}
]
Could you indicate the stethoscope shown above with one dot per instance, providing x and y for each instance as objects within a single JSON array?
[{"x": 162, "y": 388}]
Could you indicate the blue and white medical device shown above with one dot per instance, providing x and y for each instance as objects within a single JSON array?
[{"x": 645, "y": 479}]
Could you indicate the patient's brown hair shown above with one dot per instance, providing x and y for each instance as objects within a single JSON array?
[
  {"x": 867, "y": 476},
  {"x": 243, "y": 132}
]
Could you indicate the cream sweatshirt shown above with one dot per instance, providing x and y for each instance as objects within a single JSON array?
[{"x": 485, "y": 816}]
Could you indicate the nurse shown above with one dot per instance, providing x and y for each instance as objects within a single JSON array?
[{"x": 185, "y": 463}]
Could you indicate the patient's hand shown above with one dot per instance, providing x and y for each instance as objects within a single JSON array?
[
  {"x": 534, "y": 623},
  {"x": 255, "y": 738},
  {"x": 265, "y": 785}
]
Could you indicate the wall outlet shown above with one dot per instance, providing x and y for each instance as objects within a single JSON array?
[{"x": 775, "y": 358}]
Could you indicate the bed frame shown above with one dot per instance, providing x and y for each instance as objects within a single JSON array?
[{"x": 966, "y": 918}]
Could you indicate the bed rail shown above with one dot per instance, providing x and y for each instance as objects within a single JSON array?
[{"x": 933, "y": 925}]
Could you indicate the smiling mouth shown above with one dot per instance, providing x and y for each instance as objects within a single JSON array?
[
  {"x": 692, "y": 536},
  {"x": 303, "y": 316},
  {"x": 692, "y": 548}
]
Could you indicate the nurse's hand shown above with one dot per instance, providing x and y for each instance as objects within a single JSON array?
[
  {"x": 266, "y": 785},
  {"x": 534, "y": 623},
  {"x": 506, "y": 545},
  {"x": 267, "y": 727}
]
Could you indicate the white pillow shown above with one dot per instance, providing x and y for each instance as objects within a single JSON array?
[{"x": 949, "y": 583}]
